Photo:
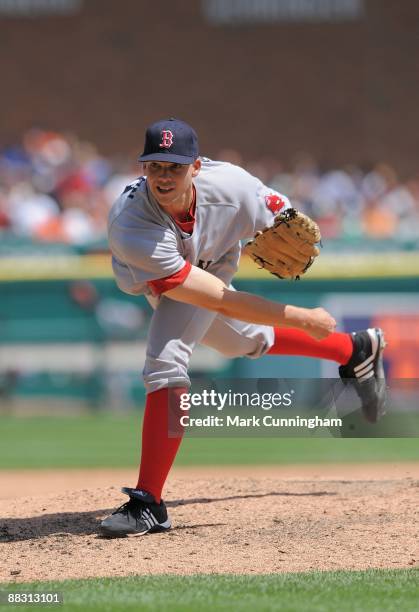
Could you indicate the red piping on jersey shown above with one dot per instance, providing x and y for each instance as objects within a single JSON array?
[
  {"x": 174, "y": 280},
  {"x": 170, "y": 282},
  {"x": 188, "y": 225}
]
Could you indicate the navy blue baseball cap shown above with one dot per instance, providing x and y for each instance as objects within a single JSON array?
[{"x": 170, "y": 140}]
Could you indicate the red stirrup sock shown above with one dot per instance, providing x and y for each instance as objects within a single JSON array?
[
  {"x": 289, "y": 341},
  {"x": 158, "y": 449}
]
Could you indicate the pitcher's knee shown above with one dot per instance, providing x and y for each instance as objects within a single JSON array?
[
  {"x": 232, "y": 352},
  {"x": 253, "y": 348},
  {"x": 160, "y": 373}
]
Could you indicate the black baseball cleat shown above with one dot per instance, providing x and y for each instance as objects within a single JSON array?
[
  {"x": 140, "y": 515},
  {"x": 366, "y": 372}
]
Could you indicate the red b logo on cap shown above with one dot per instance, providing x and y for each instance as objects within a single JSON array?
[{"x": 166, "y": 139}]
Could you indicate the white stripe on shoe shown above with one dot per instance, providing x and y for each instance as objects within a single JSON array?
[
  {"x": 364, "y": 371},
  {"x": 362, "y": 378},
  {"x": 149, "y": 518},
  {"x": 367, "y": 361}
]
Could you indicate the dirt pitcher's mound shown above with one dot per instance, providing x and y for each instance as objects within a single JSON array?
[{"x": 224, "y": 524}]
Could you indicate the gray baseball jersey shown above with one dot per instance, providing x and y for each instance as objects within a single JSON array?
[{"x": 147, "y": 245}]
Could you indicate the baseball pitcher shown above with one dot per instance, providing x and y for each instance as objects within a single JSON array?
[{"x": 176, "y": 236}]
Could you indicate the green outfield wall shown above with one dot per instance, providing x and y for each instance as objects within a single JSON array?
[{"x": 67, "y": 330}]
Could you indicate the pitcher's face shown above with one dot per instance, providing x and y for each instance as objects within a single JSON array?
[{"x": 170, "y": 183}]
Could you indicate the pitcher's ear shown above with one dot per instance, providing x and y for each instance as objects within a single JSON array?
[{"x": 196, "y": 167}]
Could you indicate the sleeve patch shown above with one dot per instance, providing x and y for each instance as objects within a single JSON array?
[{"x": 274, "y": 202}]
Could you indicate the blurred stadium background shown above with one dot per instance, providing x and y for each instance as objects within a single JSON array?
[{"x": 319, "y": 98}]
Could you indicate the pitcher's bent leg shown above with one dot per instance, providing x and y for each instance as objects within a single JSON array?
[
  {"x": 174, "y": 331},
  {"x": 234, "y": 338}
]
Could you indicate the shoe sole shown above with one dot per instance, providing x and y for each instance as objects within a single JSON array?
[
  {"x": 372, "y": 416},
  {"x": 379, "y": 376},
  {"x": 110, "y": 533},
  {"x": 379, "y": 366}
]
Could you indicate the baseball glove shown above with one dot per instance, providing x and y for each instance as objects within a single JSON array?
[{"x": 288, "y": 247}]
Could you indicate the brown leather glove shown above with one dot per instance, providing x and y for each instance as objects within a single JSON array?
[{"x": 288, "y": 247}]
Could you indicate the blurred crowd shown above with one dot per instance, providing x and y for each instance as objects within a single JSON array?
[{"x": 57, "y": 188}]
